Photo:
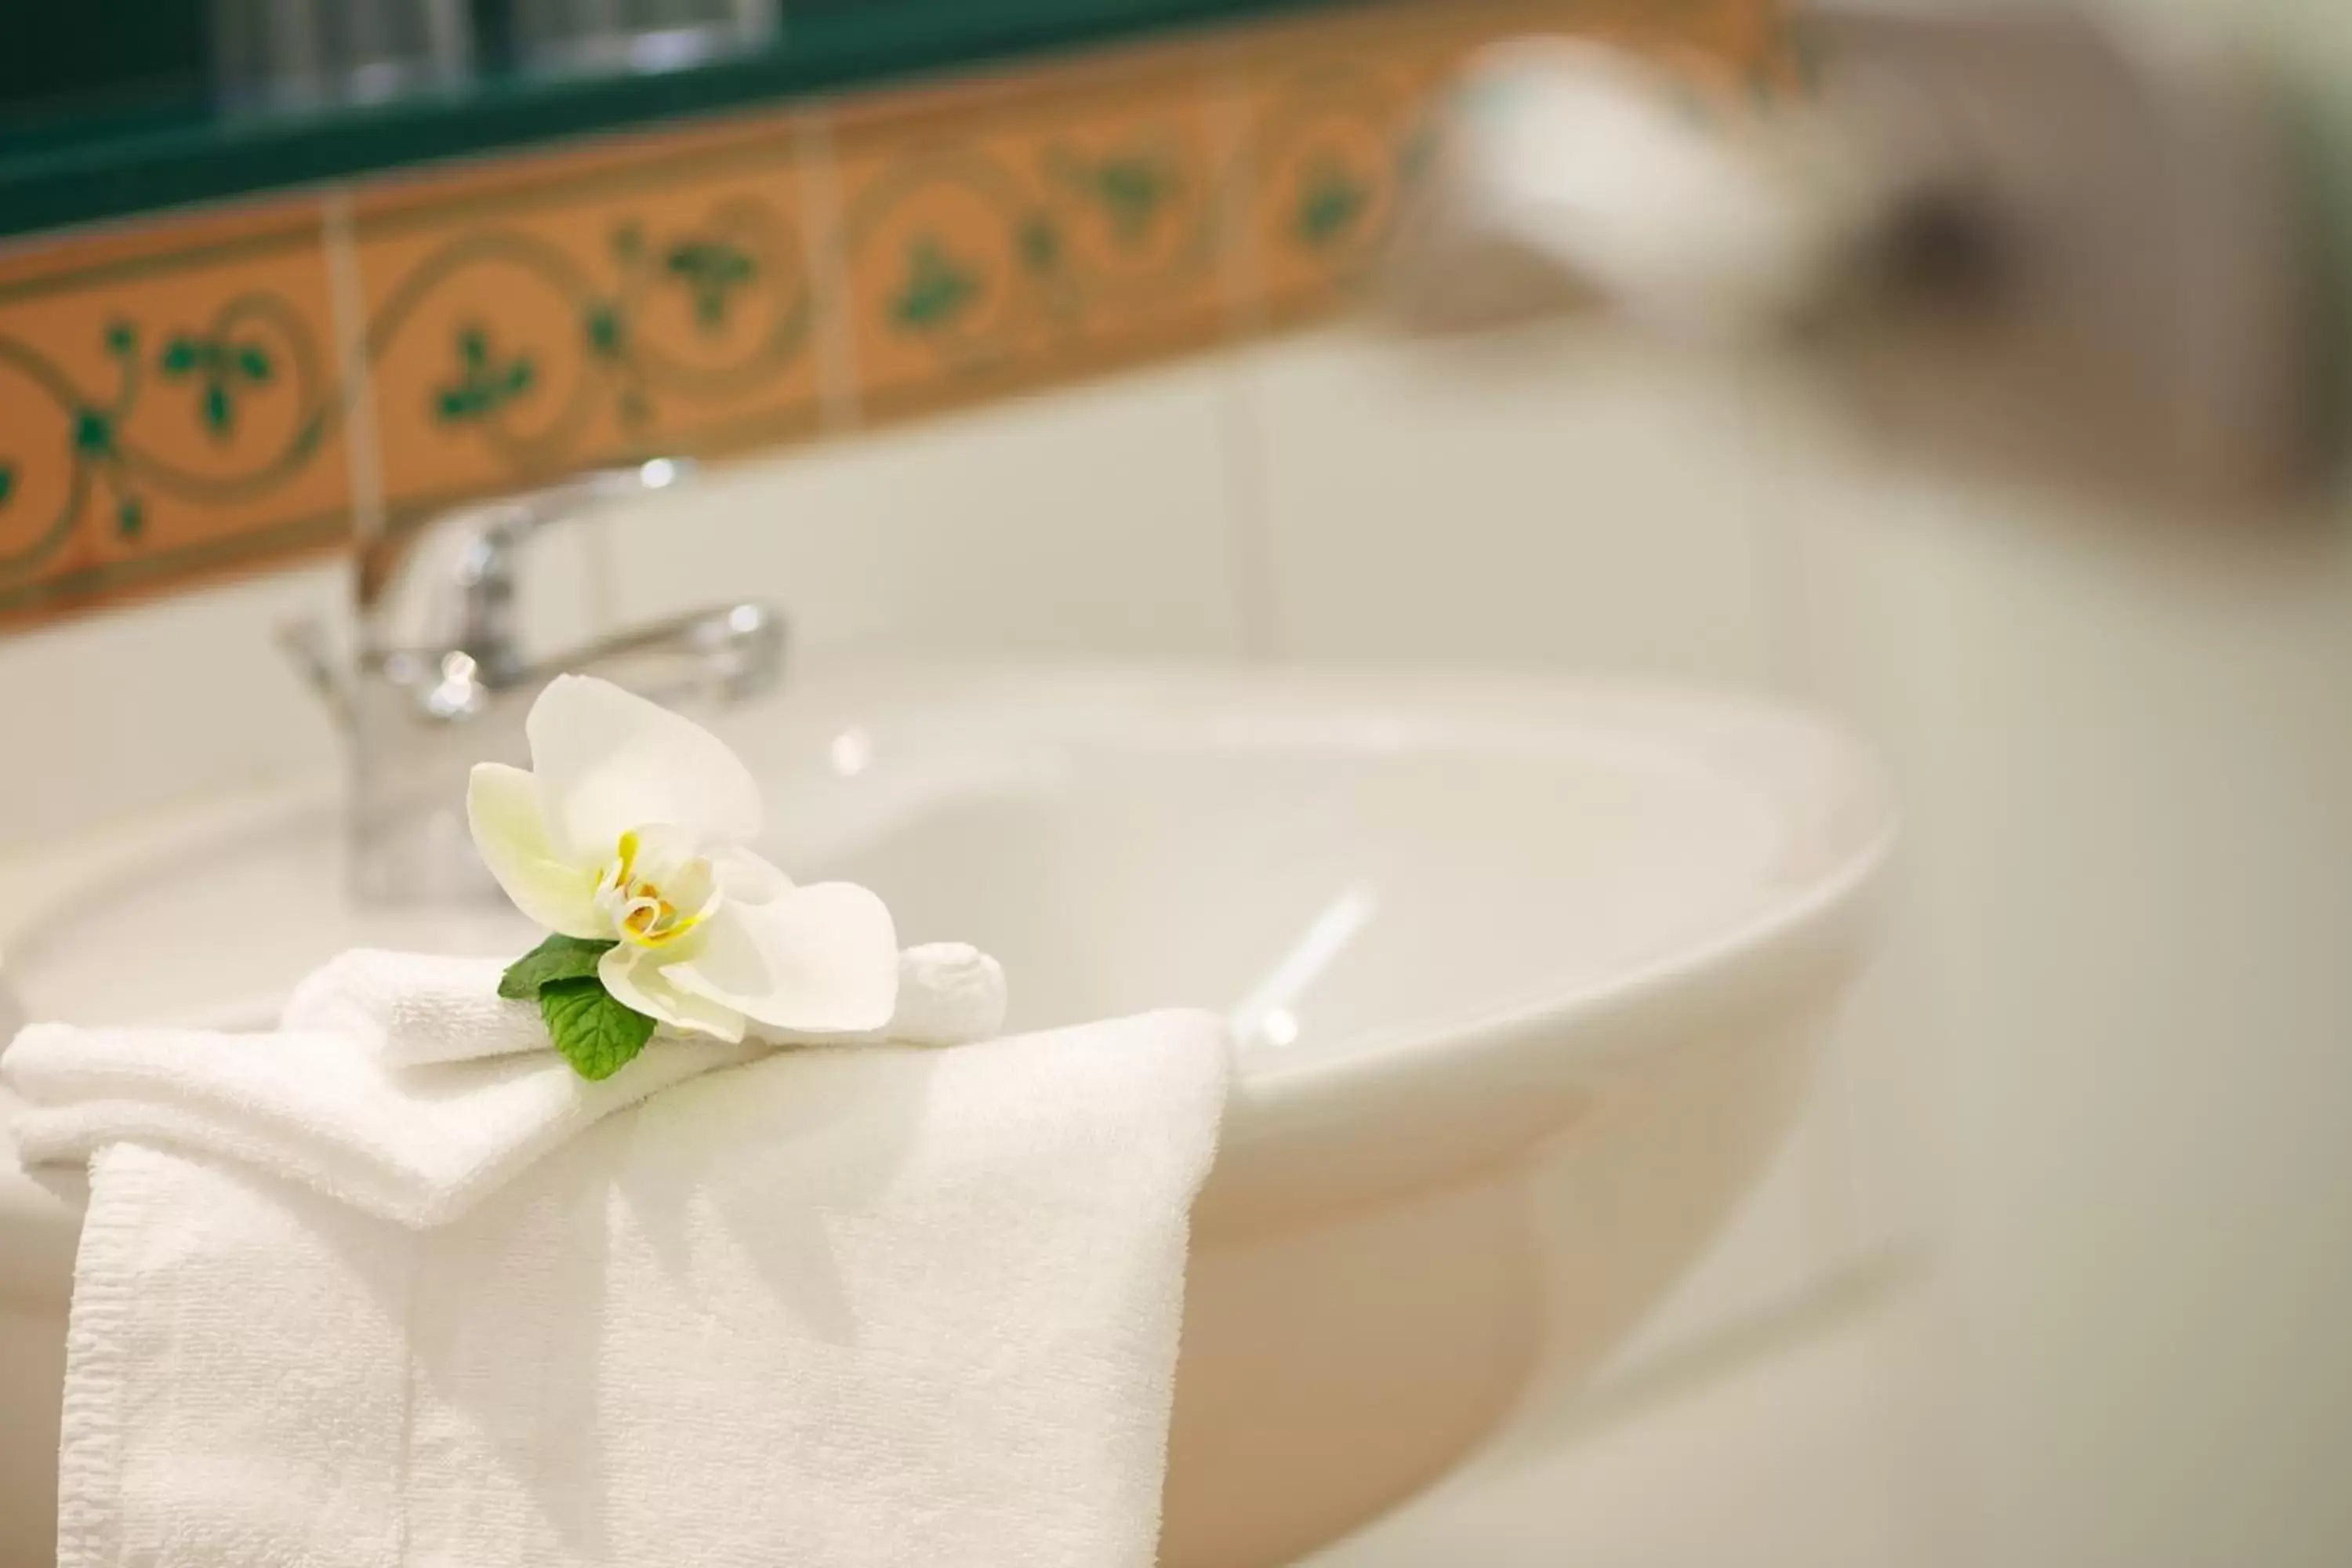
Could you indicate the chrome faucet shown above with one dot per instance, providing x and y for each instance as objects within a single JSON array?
[{"x": 420, "y": 714}]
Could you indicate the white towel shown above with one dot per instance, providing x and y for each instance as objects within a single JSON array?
[
  {"x": 865, "y": 1308},
  {"x": 414, "y": 1145},
  {"x": 402, "y": 1085},
  {"x": 415, "y": 1009}
]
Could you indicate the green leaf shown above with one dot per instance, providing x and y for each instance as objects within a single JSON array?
[
  {"x": 557, "y": 958},
  {"x": 180, "y": 356},
  {"x": 220, "y": 410},
  {"x": 596, "y": 1035},
  {"x": 254, "y": 363}
]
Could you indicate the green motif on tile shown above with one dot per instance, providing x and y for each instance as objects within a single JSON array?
[
  {"x": 608, "y": 330},
  {"x": 93, "y": 434},
  {"x": 1332, "y": 201},
  {"x": 711, "y": 271},
  {"x": 7, "y": 484},
  {"x": 628, "y": 359},
  {"x": 744, "y": 250},
  {"x": 130, "y": 518},
  {"x": 1041, "y": 244},
  {"x": 221, "y": 369},
  {"x": 937, "y": 290},
  {"x": 486, "y": 381},
  {"x": 1130, "y": 189}
]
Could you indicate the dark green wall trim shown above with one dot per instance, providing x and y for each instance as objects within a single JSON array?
[{"x": 165, "y": 162}]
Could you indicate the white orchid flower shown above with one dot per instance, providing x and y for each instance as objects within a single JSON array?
[{"x": 630, "y": 828}]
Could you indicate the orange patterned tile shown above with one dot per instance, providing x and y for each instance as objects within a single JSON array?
[
  {"x": 1336, "y": 113},
  {"x": 1329, "y": 141},
  {"x": 541, "y": 316},
  {"x": 168, "y": 407},
  {"x": 989, "y": 237}
]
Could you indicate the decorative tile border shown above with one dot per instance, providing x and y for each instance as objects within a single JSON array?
[
  {"x": 1013, "y": 231},
  {"x": 223, "y": 392},
  {"x": 535, "y": 317},
  {"x": 166, "y": 404}
]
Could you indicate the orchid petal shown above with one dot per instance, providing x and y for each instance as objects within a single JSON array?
[
  {"x": 746, "y": 877},
  {"x": 638, "y": 980},
  {"x": 820, "y": 960},
  {"x": 608, "y": 761},
  {"x": 510, "y": 832}
]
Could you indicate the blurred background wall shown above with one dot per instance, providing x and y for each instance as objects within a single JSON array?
[{"x": 2081, "y": 1154}]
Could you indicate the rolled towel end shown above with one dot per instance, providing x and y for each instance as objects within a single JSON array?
[{"x": 950, "y": 993}]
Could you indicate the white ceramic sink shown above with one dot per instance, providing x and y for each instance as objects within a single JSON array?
[{"x": 1455, "y": 920}]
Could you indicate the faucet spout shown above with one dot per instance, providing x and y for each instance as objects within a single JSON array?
[{"x": 418, "y": 715}]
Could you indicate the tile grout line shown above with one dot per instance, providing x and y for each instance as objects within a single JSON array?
[
  {"x": 824, "y": 246},
  {"x": 346, "y": 297},
  {"x": 1240, "y": 415},
  {"x": 1250, "y": 523},
  {"x": 1781, "y": 555}
]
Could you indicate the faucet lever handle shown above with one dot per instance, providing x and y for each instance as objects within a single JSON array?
[{"x": 468, "y": 557}]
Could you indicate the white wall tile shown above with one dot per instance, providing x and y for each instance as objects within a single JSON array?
[
  {"x": 133, "y": 709},
  {"x": 1790, "y": 1238},
  {"x": 2134, "y": 869},
  {"x": 1847, "y": 591},
  {"x": 1562, "y": 498},
  {"x": 1094, "y": 519},
  {"x": 1820, "y": 1453},
  {"x": 2124, "y": 756}
]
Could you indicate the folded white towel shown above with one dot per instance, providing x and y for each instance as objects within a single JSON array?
[
  {"x": 415, "y": 1009},
  {"x": 862, "y": 1308},
  {"x": 416, "y": 1145}
]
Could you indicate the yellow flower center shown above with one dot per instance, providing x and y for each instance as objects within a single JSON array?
[{"x": 632, "y": 893}]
